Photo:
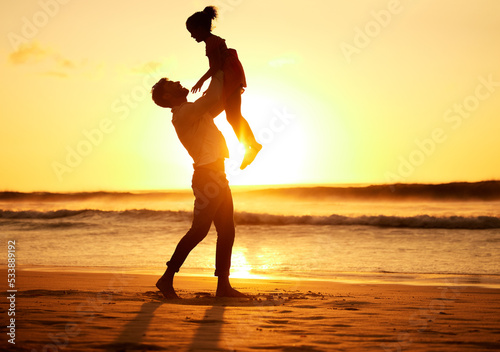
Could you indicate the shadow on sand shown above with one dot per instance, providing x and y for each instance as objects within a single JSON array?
[
  {"x": 208, "y": 334},
  {"x": 208, "y": 329},
  {"x": 134, "y": 331}
]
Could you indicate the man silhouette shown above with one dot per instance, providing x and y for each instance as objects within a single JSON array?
[{"x": 194, "y": 125}]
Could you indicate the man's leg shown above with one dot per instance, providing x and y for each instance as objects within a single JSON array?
[
  {"x": 205, "y": 207},
  {"x": 198, "y": 231},
  {"x": 166, "y": 284},
  {"x": 224, "y": 223}
]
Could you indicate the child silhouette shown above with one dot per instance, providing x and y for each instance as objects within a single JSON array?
[{"x": 222, "y": 58}]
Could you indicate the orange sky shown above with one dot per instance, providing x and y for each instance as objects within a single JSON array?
[{"x": 338, "y": 91}]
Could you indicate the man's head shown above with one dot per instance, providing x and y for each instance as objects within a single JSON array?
[{"x": 168, "y": 94}]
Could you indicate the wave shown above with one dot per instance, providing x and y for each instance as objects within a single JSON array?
[
  {"x": 455, "y": 191},
  {"x": 139, "y": 214},
  {"x": 56, "y": 214},
  {"x": 420, "y": 221},
  {"x": 244, "y": 218}
]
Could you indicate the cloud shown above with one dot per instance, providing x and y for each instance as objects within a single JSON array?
[
  {"x": 65, "y": 63},
  {"x": 28, "y": 53},
  {"x": 51, "y": 62},
  {"x": 146, "y": 68},
  {"x": 48, "y": 60}
]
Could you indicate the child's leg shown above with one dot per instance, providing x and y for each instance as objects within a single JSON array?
[
  {"x": 241, "y": 129},
  {"x": 237, "y": 121}
]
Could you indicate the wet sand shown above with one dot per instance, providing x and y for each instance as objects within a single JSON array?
[{"x": 66, "y": 311}]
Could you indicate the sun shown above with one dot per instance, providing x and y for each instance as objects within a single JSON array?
[{"x": 283, "y": 139}]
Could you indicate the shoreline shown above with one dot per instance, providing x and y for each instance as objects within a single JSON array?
[{"x": 491, "y": 281}]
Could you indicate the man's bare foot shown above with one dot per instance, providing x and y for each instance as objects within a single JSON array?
[
  {"x": 166, "y": 289},
  {"x": 224, "y": 289},
  {"x": 230, "y": 292},
  {"x": 250, "y": 154}
]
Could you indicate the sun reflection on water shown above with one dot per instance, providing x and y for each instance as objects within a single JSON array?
[{"x": 240, "y": 268}]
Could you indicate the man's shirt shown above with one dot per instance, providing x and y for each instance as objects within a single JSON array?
[{"x": 195, "y": 127}]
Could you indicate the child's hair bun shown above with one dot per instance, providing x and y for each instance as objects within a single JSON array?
[
  {"x": 203, "y": 18},
  {"x": 211, "y": 11}
]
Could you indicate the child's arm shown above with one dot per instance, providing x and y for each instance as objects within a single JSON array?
[
  {"x": 211, "y": 103},
  {"x": 215, "y": 62}
]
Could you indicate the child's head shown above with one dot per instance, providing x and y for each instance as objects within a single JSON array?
[
  {"x": 168, "y": 94},
  {"x": 200, "y": 24}
]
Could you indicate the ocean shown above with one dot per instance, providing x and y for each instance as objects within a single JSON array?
[{"x": 414, "y": 233}]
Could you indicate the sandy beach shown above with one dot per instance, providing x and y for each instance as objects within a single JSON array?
[
  {"x": 74, "y": 311},
  {"x": 336, "y": 158}
]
